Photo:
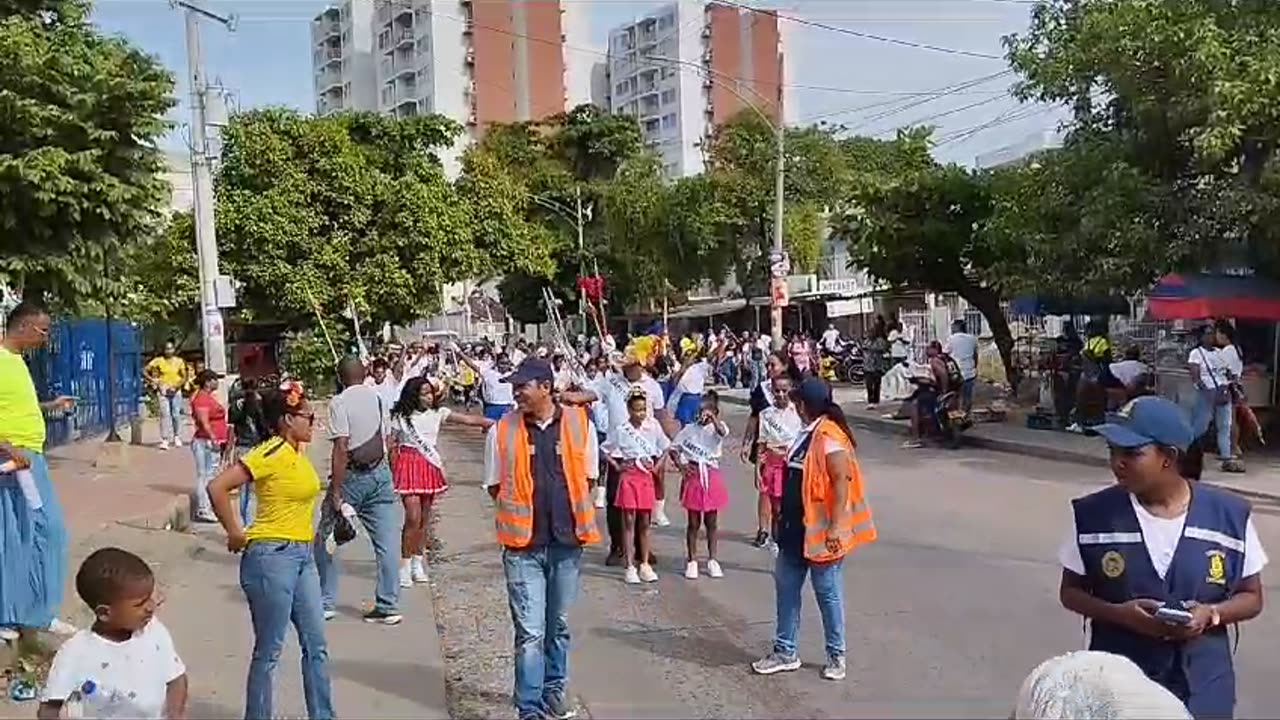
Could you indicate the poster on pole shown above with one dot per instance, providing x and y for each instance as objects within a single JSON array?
[{"x": 778, "y": 296}]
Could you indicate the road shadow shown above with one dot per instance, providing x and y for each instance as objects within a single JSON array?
[
  {"x": 171, "y": 489},
  {"x": 699, "y": 646},
  {"x": 408, "y": 681}
]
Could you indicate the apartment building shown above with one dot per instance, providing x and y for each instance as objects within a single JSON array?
[
  {"x": 687, "y": 67},
  {"x": 342, "y": 57}
]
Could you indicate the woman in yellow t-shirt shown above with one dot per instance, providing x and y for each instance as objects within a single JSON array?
[{"x": 277, "y": 568}]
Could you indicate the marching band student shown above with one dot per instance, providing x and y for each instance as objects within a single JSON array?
[
  {"x": 636, "y": 451},
  {"x": 697, "y": 449},
  {"x": 1159, "y": 565},
  {"x": 417, "y": 471},
  {"x": 779, "y": 426}
]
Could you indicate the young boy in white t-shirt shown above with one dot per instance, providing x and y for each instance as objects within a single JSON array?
[{"x": 125, "y": 666}]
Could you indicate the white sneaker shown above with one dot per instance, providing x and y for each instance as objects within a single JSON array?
[
  {"x": 330, "y": 614},
  {"x": 62, "y": 628},
  {"x": 164, "y": 444},
  {"x": 9, "y": 634},
  {"x": 691, "y": 570},
  {"x": 773, "y": 549},
  {"x": 631, "y": 577},
  {"x": 598, "y": 496},
  {"x": 418, "y": 570},
  {"x": 177, "y": 442},
  {"x": 714, "y": 569},
  {"x": 647, "y": 574},
  {"x": 660, "y": 514},
  {"x": 406, "y": 576}
]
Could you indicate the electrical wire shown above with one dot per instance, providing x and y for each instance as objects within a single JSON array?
[
  {"x": 863, "y": 35},
  {"x": 944, "y": 91},
  {"x": 944, "y": 113}
]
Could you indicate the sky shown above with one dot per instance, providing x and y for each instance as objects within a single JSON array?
[{"x": 833, "y": 76}]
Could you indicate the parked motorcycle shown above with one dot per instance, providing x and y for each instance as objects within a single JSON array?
[
  {"x": 849, "y": 363},
  {"x": 950, "y": 420}
]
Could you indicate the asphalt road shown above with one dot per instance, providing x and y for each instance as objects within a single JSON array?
[{"x": 946, "y": 613}]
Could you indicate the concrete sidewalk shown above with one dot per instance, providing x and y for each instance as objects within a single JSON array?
[
  {"x": 100, "y": 483},
  {"x": 1261, "y": 482}
]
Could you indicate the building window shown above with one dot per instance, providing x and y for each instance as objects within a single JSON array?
[
  {"x": 668, "y": 97},
  {"x": 651, "y": 126},
  {"x": 666, "y": 21},
  {"x": 669, "y": 121},
  {"x": 668, "y": 72}
]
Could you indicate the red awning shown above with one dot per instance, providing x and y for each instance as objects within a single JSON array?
[{"x": 1203, "y": 296}]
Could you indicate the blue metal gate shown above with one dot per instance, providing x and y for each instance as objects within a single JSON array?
[{"x": 75, "y": 363}]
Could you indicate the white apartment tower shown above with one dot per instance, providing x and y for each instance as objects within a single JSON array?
[
  {"x": 687, "y": 67},
  {"x": 342, "y": 57}
]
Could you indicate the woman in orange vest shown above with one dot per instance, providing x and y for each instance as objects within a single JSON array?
[{"x": 823, "y": 517}]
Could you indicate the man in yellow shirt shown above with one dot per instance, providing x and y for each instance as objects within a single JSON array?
[
  {"x": 166, "y": 375},
  {"x": 35, "y": 548}
]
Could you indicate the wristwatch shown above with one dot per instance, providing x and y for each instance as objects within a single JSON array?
[{"x": 1215, "y": 618}]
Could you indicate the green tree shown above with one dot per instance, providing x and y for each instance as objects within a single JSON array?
[
  {"x": 742, "y": 162},
  {"x": 345, "y": 208},
  {"x": 159, "y": 280},
  {"x": 1176, "y": 110},
  {"x": 914, "y": 223},
  {"x": 80, "y": 175}
]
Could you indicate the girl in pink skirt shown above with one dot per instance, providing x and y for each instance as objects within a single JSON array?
[
  {"x": 417, "y": 471},
  {"x": 637, "y": 449},
  {"x": 703, "y": 493},
  {"x": 779, "y": 426}
]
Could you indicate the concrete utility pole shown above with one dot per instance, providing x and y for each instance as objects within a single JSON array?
[{"x": 215, "y": 349}]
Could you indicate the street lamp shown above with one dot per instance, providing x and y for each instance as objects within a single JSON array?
[
  {"x": 777, "y": 259},
  {"x": 578, "y": 217}
]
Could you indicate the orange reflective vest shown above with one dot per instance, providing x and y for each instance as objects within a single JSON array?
[
  {"x": 514, "y": 519},
  {"x": 820, "y": 511}
]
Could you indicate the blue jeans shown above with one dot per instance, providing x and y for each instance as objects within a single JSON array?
[
  {"x": 1221, "y": 415},
  {"x": 371, "y": 494},
  {"x": 170, "y": 415},
  {"x": 541, "y": 585},
  {"x": 828, "y": 589},
  {"x": 247, "y": 506},
  {"x": 966, "y": 394},
  {"x": 33, "y": 563},
  {"x": 207, "y": 456},
  {"x": 282, "y": 588}
]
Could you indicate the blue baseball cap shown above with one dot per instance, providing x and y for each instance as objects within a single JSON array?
[
  {"x": 1148, "y": 420},
  {"x": 813, "y": 392},
  {"x": 532, "y": 369}
]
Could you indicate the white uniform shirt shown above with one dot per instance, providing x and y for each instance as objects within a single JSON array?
[
  {"x": 420, "y": 430},
  {"x": 116, "y": 679},
  {"x": 702, "y": 444},
  {"x": 779, "y": 426},
  {"x": 963, "y": 348},
  {"x": 614, "y": 388},
  {"x": 497, "y": 392},
  {"x": 628, "y": 442},
  {"x": 1161, "y": 536}
]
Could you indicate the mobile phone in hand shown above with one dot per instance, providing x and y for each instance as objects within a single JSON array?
[{"x": 1173, "y": 616}]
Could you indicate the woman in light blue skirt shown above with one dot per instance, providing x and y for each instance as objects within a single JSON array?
[{"x": 33, "y": 549}]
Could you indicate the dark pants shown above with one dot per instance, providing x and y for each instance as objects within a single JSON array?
[
  {"x": 873, "y": 387},
  {"x": 614, "y": 517}
]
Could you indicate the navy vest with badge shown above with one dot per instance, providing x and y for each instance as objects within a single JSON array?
[{"x": 1207, "y": 564}]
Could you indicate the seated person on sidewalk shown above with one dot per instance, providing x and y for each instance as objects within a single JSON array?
[
  {"x": 929, "y": 386},
  {"x": 125, "y": 665}
]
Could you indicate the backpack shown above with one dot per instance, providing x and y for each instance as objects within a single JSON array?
[{"x": 954, "y": 376}]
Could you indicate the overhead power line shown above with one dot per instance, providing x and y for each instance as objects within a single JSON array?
[
  {"x": 927, "y": 97},
  {"x": 863, "y": 35}
]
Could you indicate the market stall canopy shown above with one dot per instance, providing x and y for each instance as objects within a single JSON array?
[
  {"x": 1040, "y": 305},
  {"x": 1201, "y": 296}
]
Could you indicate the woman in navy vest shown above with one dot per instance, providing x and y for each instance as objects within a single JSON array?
[{"x": 1157, "y": 540}]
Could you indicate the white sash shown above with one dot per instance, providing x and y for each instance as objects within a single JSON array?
[
  {"x": 779, "y": 432},
  {"x": 417, "y": 443},
  {"x": 701, "y": 456},
  {"x": 642, "y": 442}
]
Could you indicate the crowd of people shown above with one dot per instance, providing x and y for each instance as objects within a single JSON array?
[{"x": 1158, "y": 564}]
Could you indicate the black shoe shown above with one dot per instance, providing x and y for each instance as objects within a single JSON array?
[
  {"x": 383, "y": 617},
  {"x": 614, "y": 559},
  {"x": 762, "y": 539}
]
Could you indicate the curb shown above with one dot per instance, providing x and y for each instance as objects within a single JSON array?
[
  {"x": 885, "y": 426},
  {"x": 175, "y": 517}
]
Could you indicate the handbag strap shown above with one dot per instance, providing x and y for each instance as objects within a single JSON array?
[{"x": 1205, "y": 357}]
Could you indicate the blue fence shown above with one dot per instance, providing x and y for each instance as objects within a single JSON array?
[{"x": 75, "y": 363}]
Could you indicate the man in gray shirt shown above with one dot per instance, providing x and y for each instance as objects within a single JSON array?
[{"x": 361, "y": 478}]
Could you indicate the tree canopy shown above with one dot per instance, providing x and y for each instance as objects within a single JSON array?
[{"x": 80, "y": 175}]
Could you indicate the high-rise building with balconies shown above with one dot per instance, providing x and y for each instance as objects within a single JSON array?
[
  {"x": 687, "y": 67},
  {"x": 342, "y": 57}
]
